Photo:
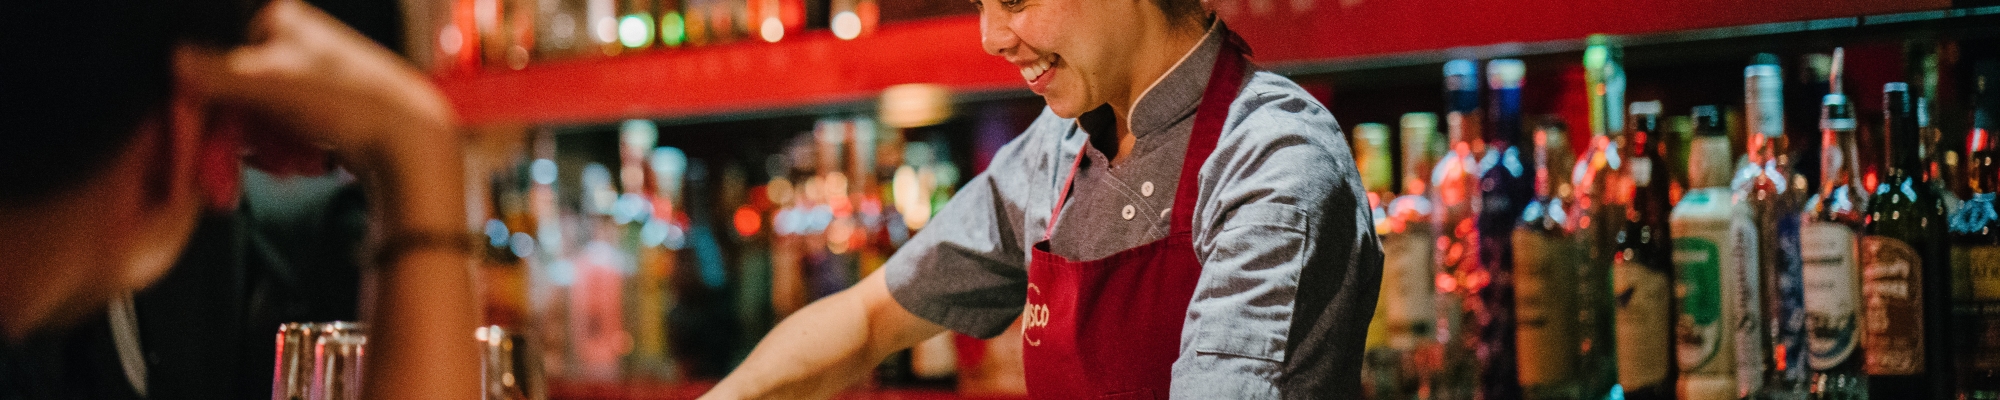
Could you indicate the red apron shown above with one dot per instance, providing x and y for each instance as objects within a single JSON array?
[{"x": 1111, "y": 328}]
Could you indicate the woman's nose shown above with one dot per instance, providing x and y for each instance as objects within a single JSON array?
[{"x": 994, "y": 34}]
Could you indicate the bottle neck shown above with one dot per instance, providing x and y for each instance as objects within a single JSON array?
[{"x": 1837, "y": 157}]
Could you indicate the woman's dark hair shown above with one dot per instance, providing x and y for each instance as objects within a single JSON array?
[
  {"x": 77, "y": 76},
  {"x": 1183, "y": 11}
]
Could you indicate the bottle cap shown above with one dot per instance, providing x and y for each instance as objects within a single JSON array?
[
  {"x": 1505, "y": 73},
  {"x": 1646, "y": 107}
]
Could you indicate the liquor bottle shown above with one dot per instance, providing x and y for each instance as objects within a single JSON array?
[
  {"x": 1975, "y": 252},
  {"x": 1715, "y": 264},
  {"x": 1903, "y": 258},
  {"x": 1545, "y": 245},
  {"x": 1775, "y": 200},
  {"x": 1830, "y": 243},
  {"x": 1381, "y": 370},
  {"x": 1606, "y": 189},
  {"x": 1461, "y": 314},
  {"x": 1643, "y": 268},
  {"x": 1409, "y": 284},
  {"x": 1504, "y": 191}
]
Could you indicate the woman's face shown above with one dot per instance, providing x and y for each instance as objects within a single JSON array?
[{"x": 1074, "y": 53}]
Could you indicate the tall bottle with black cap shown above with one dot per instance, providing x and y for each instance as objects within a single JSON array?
[
  {"x": 1643, "y": 267},
  {"x": 1504, "y": 190},
  {"x": 1830, "y": 243},
  {"x": 1903, "y": 259},
  {"x": 1545, "y": 247},
  {"x": 1456, "y": 196},
  {"x": 1715, "y": 264}
]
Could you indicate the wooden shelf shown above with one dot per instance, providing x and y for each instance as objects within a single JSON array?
[{"x": 813, "y": 70}]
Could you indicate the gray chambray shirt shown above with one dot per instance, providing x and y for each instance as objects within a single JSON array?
[{"x": 1290, "y": 263}]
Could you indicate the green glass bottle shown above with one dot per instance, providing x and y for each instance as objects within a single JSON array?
[{"x": 1903, "y": 259}]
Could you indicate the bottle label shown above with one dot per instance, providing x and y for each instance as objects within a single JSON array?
[
  {"x": 1545, "y": 308},
  {"x": 1407, "y": 287},
  {"x": 1894, "y": 339},
  {"x": 1644, "y": 297},
  {"x": 1747, "y": 284},
  {"x": 1698, "y": 329},
  {"x": 1833, "y": 293},
  {"x": 1981, "y": 266},
  {"x": 1788, "y": 344}
]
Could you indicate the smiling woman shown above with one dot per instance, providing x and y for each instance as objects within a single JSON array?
[{"x": 1127, "y": 292}]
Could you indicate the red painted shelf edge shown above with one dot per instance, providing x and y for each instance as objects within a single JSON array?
[{"x": 814, "y": 68}]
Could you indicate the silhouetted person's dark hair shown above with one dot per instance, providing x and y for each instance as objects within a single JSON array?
[{"x": 77, "y": 76}]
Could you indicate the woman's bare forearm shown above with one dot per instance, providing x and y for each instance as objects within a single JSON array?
[{"x": 827, "y": 346}]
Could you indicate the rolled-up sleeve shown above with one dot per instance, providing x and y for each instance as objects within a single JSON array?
[
  {"x": 967, "y": 270},
  {"x": 1290, "y": 268}
]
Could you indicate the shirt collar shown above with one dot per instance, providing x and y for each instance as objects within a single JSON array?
[{"x": 1173, "y": 96}]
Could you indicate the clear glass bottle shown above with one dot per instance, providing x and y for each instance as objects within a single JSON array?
[
  {"x": 1830, "y": 243},
  {"x": 1461, "y": 313},
  {"x": 1766, "y": 184}
]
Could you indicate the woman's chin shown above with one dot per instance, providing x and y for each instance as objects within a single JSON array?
[{"x": 1066, "y": 108}]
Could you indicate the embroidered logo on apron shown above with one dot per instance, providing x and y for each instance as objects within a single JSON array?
[{"x": 1035, "y": 317}]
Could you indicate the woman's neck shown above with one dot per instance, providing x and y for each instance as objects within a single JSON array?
[{"x": 1162, "y": 47}]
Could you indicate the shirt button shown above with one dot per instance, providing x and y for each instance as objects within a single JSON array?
[
  {"x": 1146, "y": 189},
  {"x": 1130, "y": 211}
]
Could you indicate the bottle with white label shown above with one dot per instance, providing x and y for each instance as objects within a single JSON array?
[
  {"x": 1715, "y": 264},
  {"x": 1903, "y": 257},
  {"x": 1832, "y": 259},
  {"x": 1643, "y": 268},
  {"x": 1411, "y": 311},
  {"x": 1775, "y": 198}
]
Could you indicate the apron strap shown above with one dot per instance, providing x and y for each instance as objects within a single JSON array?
[
  {"x": 1223, "y": 84},
  {"x": 1224, "y": 81}
]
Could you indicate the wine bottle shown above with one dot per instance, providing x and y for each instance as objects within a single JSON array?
[
  {"x": 1643, "y": 267},
  {"x": 1456, "y": 195},
  {"x": 1975, "y": 252},
  {"x": 1903, "y": 256},
  {"x": 1715, "y": 264},
  {"x": 1830, "y": 244},
  {"x": 1504, "y": 190},
  {"x": 1545, "y": 246}
]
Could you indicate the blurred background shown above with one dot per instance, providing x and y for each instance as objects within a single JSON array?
[{"x": 660, "y": 181}]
